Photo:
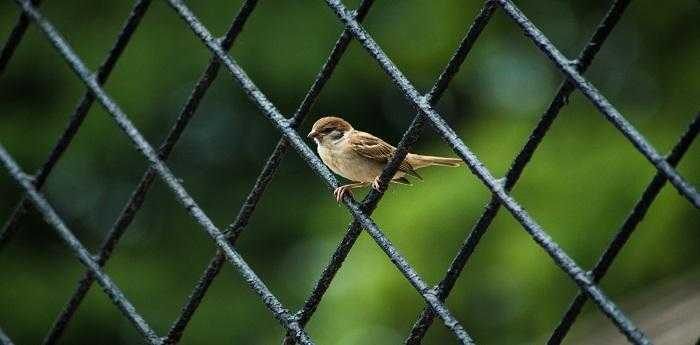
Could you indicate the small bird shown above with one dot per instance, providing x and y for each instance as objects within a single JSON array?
[{"x": 360, "y": 157}]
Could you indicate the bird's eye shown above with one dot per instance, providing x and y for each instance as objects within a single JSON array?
[
  {"x": 327, "y": 130},
  {"x": 335, "y": 135}
]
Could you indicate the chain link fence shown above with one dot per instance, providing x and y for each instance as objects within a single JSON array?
[{"x": 426, "y": 116}]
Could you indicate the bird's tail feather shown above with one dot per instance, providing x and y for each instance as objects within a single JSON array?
[{"x": 424, "y": 161}]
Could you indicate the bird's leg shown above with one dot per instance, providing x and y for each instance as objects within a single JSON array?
[{"x": 340, "y": 191}]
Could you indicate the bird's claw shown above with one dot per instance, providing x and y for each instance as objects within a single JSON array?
[
  {"x": 340, "y": 192},
  {"x": 375, "y": 183}
]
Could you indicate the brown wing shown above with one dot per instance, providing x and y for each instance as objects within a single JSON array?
[{"x": 377, "y": 149}]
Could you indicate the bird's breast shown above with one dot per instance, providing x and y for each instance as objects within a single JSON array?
[
  {"x": 334, "y": 158},
  {"x": 348, "y": 164}
]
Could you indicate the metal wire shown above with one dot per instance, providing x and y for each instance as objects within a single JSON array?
[
  {"x": 282, "y": 124},
  {"x": 78, "y": 249},
  {"x": 8, "y": 49},
  {"x": 264, "y": 178},
  {"x": 568, "y": 68},
  {"x": 626, "y": 230},
  {"x": 137, "y": 198},
  {"x": 75, "y": 63},
  {"x": 360, "y": 212},
  {"x": 409, "y": 138},
  {"x": 541, "y": 237},
  {"x": 77, "y": 117},
  {"x": 521, "y": 160},
  {"x": 4, "y": 339}
]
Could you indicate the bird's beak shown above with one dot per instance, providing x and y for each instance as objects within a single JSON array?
[{"x": 312, "y": 134}]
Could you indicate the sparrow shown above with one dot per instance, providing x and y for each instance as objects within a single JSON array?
[{"x": 360, "y": 157}]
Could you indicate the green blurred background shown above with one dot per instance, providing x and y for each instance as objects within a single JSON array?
[{"x": 581, "y": 184}]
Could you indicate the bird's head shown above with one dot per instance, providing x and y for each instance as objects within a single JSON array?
[{"x": 329, "y": 129}]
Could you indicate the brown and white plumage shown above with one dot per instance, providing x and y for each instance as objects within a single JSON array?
[{"x": 361, "y": 157}]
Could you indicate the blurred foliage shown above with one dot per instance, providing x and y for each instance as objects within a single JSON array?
[{"x": 581, "y": 184}]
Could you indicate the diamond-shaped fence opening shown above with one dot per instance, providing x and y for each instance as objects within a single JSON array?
[{"x": 225, "y": 236}]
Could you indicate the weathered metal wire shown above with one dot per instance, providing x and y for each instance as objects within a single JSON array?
[
  {"x": 77, "y": 117},
  {"x": 78, "y": 249},
  {"x": 235, "y": 229},
  {"x": 282, "y": 124},
  {"x": 541, "y": 237},
  {"x": 137, "y": 198},
  {"x": 611, "y": 114},
  {"x": 18, "y": 30},
  {"x": 360, "y": 212},
  {"x": 628, "y": 226},
  {"x": 409, "y": 138},
  {"x": 76, "y": 64},
  {"x": 444, "y": 287},
  {"x": 4, "y": 339}
]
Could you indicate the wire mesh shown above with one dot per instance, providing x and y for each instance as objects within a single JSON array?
[{"x": 294, "y": 323}]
